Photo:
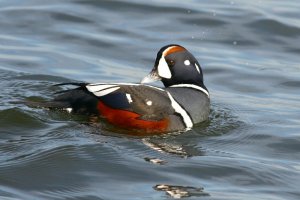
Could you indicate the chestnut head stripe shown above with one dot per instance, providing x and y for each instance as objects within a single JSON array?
[{"x": 173, "y": 49}]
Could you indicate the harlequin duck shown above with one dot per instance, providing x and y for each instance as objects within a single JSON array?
[{"x": 182, "y": 103}]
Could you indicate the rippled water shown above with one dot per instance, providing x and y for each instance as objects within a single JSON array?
[{"x": 249, "y": 51}]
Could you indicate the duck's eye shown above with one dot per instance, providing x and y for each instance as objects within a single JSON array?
[{"x": 171, "y": 63}]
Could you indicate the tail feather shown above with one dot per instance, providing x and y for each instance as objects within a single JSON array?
[
  {"x": 48, "y": 104},
  {"x": 80, "y": 84},
  {"x": 79, "y": 99}
]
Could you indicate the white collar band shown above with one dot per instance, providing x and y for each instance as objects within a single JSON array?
[{"x": 192, "y": 86}]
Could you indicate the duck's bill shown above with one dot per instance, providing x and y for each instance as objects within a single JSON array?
[{"x": 153, "y": 76}]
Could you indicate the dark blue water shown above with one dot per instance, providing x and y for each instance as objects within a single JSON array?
[{"x": 249, "y": 148}]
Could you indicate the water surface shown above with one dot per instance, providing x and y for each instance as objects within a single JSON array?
[{"x": 249, "y": 51}]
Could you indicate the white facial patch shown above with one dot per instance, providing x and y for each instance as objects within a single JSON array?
[
  {"x": 187, "y": 62},
  {"x": 163, "y": 69},
  {"x": 197, "y": 67}
]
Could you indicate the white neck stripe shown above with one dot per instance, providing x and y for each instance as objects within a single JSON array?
[
  {"x": 197, "y": 67},
  {"x": 178, "y": 109},
  {"x": 155, "y": 87},
  {"x": 192, "y": 86}
]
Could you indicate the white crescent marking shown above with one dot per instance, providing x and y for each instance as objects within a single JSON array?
[{"x": 178, "y": 109}]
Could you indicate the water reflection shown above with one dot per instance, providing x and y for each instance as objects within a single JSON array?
[{"x": 178, "y": 192}]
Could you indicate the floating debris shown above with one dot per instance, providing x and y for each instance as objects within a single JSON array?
[
  {"x": 155, "y": 161},
  {"x": 178, "y": 192}
]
